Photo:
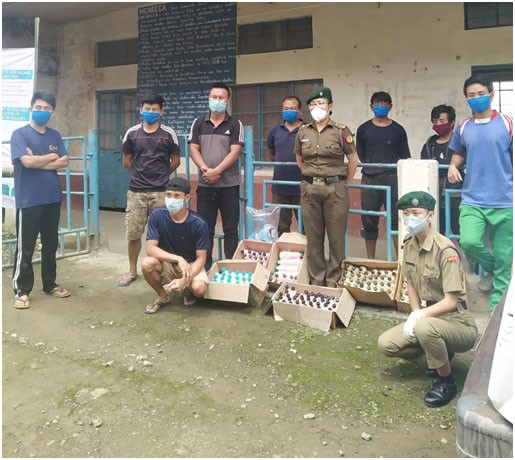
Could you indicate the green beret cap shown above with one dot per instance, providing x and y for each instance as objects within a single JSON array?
[
  {"x": 320, "y": 92},
  {"x": 416, "y": 200}
]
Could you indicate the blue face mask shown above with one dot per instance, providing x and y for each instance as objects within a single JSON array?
[
  {"x": 150, "y": 117},
  {"x": 290, "y": 116},
  {"x": 380, "y": 111},
  {"x": 41, "y": 117},
  {"x": 174, "y": 205},
  {"x": 218, "y": 107},
  {"x": 479, "y": 104},
  {"x": 415, "y": 224}
]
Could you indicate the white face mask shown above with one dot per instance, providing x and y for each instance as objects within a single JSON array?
[
  {"x": 174, "y": 205},
  {"x": 415, "y": 224},
  {"x": 318, "y": 114}
]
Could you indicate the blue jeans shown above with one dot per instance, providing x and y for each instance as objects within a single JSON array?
[{"x": 210, "y": 200}]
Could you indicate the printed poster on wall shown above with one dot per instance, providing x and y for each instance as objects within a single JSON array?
[{"x": 17, "y": 90}]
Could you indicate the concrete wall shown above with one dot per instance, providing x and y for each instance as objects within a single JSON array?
[{"x": 419, "y": 52}]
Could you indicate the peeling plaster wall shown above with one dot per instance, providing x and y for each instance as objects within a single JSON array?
[{"x": 419, "y": 52}]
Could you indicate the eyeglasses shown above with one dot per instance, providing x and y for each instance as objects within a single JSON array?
[{"x": 313, "y": 104}]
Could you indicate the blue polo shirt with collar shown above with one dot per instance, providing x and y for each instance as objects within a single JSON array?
[{"x": 282, "y": 140}]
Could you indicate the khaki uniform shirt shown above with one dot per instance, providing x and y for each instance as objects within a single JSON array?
[
  {"x": 322, "y": 153},
  {"x": 435, "y": 267}
]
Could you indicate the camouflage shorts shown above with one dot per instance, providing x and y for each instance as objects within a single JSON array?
[{"x": 139, "y": 207}]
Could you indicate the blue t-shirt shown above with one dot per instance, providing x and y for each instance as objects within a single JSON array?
[
  {"x": 182, "y": 239},
  {"x": 34, "y": 186},
  {"x": 489, "y": 150},
  {"x": 282, "y": 141}
]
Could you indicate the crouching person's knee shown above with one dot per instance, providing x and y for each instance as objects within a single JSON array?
[
  {"x": 386, "y": 345},
  {"x": 148, "y": 264},
  {"x": 198, "y": 288}
]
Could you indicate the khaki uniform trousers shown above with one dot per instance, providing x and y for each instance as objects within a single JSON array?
[
  {"x": 435, "y": 337},
  {"x": 324, "y": 209}
]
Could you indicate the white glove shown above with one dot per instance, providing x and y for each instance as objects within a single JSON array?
[{"x": 409, "y": 325}]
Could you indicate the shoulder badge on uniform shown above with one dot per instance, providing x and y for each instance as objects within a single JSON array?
[
  {"x": 340, "y": 125},
  {"x": 453, "y": 259},
  {"x": 348, "y": 139}
]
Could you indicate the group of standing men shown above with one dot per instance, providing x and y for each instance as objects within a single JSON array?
[{"x": 327, "y": 158}]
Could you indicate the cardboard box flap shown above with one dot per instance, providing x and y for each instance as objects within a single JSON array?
[{"x": 292, "y": 237}]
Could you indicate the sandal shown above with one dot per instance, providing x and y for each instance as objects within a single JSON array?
[
  {"x": 126, "y": 280},
  {"x": 189, "y": 298},
  {"x": 58, "y": 292},
  {"x": 156, "y": 303},
  {"x": 21, "y": 303}
]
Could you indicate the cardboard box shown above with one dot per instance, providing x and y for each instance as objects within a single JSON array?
[
  {"x": 251, "y": 294},
  {"x": 292, "y": 237},
  {"x": 279, "y": 246},
  {"x": 379, "y": 298},
  {"x": 314, "y": 317},
  {"x": 402, "y": 305},
  {"x": 252, "y": 245}
]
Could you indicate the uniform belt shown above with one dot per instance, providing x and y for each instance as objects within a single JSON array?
[
  {"x": 326, "y": 180},
  {"x": 463, "y": 304}
]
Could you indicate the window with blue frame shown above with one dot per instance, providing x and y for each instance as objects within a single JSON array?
[{"x": 259, "y": 105}]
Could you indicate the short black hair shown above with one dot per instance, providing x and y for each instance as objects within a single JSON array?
[
  {"x": 443, "y": 108},
  {"x": 292, "y": 97},
  {"x": 221, "y": 85},
  {"x": 178, "y": 184},
  {"x": 153, "y": 99},
  {"x": 44, "y": 96},
  {"x": 381, "y": 96},
  {"x": 480, "y": 79}
]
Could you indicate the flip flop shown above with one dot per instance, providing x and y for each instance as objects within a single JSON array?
[
  {"x": 189, "y": 299},
  {"x": 153, "y": 304},
  {"x": 58, "y": 292},
  {"x": 125, "y": 281},
  {"x": 20, "y": 303}
]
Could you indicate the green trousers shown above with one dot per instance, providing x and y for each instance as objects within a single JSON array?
[
  {"x": 435, "y": 337},
  {"x": 473, "y": 224}
]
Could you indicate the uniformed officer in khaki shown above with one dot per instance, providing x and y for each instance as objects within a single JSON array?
[
  {"x": 320, "y": 149},
  {"x": 432, "y": 266}
]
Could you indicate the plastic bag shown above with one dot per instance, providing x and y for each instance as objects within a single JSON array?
[{"x": 262, "y": 223}]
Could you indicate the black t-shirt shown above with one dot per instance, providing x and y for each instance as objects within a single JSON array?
[
  {"x": 376, "y": 144},
  {"x": 150, "y": 154}
]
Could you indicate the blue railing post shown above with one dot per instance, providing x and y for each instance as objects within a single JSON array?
[
  {"x": 93, "y": 187},
  {"x": 248, "y": 170}
]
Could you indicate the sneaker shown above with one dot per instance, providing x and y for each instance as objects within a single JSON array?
[
  {"x": 485, "y": 283},
  {"x": 441, "y": 393}
]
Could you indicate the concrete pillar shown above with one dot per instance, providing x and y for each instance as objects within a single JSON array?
[{"x": 417, "y": 175}]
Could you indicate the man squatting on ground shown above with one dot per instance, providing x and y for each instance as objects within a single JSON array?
[
  {"x": 37, "y": 152},
  {"x": 177, "y": 246},
  {"x": 151, "y": 154},
  {"x": 432, "y": 266},
  {"x": 485, "y": 139}
]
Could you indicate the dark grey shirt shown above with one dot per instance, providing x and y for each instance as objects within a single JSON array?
[{"x": 215, "y": 144}]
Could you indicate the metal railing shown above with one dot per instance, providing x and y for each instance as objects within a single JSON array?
[{"x": 72, "y": 240}]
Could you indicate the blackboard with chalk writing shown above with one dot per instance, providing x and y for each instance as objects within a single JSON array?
[{"x": 183, "y": 49}]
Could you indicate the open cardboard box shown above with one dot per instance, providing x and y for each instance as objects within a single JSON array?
[
  {"x": 379, "y": 298},
  {"x": 251, "y": 245},
  {"x": 402, "y": 305},
  {"x": 251, "y": 294},
  {"x": 299, "y": 246},
  {"x": 314, "y": 317}
]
